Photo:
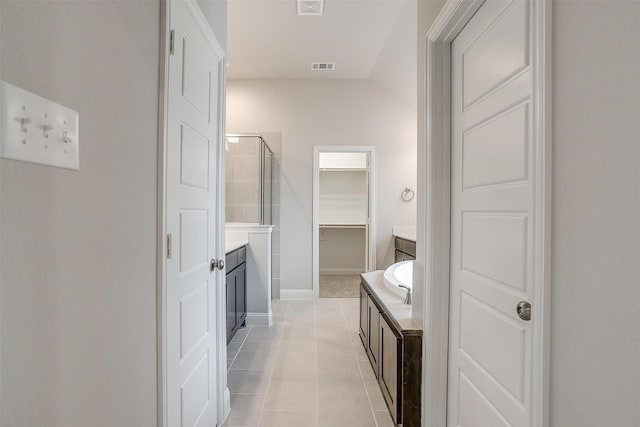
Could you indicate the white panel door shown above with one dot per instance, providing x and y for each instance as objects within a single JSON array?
[
  {"x": 492, "y": 216},
  {"x": 191, "y": 182}
]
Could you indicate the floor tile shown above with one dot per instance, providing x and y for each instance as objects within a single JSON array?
[
  {"x": 240, "y": 335},
  {"x": 309, "y": 369},
  {"x": 245, "y": 410},
  {"x": 306, "y": 306},
  {"x": 291, "y": 394},
  {"x": 366, "y": 370},
  {"x": 248, "y": 381},
  {"x": 375, "y": 396},
  {"x": 298, "y": 334},
  {"x": 232, "y": 349},
  {"x": 297, "y": 348},
  {"x": 263, "y": 346},
  {"x": 344, "y": 404},
  {"x": 287, "y": 418},
  {"x": 253, "y": 360},
  {"x": 338, "y": 365},
  {"x": 383, "y": 419},
  {"x": 262, "y": 333},
  {"x": 290, "y": 366}
]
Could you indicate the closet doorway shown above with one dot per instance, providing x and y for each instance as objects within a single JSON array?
[{"x": 343, "y": 219}]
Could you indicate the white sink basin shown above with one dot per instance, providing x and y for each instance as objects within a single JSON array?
[{"x": 400, "y": 273}]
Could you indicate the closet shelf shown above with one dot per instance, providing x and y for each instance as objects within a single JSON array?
[
  {"x": 343, "y": 169},
  {"x": 343, "y": 225}
]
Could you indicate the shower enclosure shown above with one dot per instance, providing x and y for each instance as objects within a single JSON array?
[{"x": 249, "y": 180}]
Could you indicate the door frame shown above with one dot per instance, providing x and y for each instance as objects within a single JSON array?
[
  {"x": 434, "y": 214},
  {"x": 371, "y": 235},
  {"x": 223, "y": 395}
]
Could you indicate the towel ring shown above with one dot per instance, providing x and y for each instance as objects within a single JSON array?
[{"x": 407, "y": 195}]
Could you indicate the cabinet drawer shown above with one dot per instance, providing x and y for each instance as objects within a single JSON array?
[
  {"x": 407, "y": 247},
  {"x": 231, "y": 260},
  {"x": 242, "y": 255}
]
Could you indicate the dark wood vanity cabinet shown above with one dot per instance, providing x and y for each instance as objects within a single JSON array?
[
  {"x": 405, "y": 249},
  {"x": 236, "y": 276},
  {"x": 396, "y": 357}
]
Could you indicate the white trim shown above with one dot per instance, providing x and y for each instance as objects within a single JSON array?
[
  {"x": 371, "y": 232},
  {"x": 297, "y": 294},
  {"x": 434, "y": 213},
  {"x": 161, "y": 264},
  {"x": 259, "y": 319},
  {"x": 341, "y": 271},
  {"x": 222, "y": 393}
]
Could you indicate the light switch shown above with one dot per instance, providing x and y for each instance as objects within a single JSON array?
[{"x": 37, "y": 130}]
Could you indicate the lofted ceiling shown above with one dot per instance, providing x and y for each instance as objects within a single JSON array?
[{"x": 367, "y": 39}]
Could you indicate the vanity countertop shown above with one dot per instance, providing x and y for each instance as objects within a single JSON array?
[
  {"x": 232, "y": 245},
  {"x": 405, "y": 232},
  {"x": 394, "y": 304}
]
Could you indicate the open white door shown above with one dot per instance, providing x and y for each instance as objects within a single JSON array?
[
  {"x": 494, "y": 343},
  {"x": 191, "y": 292}
]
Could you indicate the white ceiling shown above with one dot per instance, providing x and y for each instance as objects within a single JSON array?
[{"x": 367, "y": 39}]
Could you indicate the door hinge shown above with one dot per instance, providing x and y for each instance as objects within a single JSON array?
[
  {"x": 172, "y": 36},
  {"x": 169, "y": 246}
]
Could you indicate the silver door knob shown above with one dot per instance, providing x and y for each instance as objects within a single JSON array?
[
  {"x": 216, "y": 263},
  {"x": 524, "y": 310}
]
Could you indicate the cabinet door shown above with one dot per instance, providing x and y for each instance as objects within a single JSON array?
[
  {"x": 389, "y": 348},
  {"x": 231, "y": 304},
  {"x": 373, "y": 336},
  {"x": 363, "y": 315},
  {"x": 241, "y": 293}
]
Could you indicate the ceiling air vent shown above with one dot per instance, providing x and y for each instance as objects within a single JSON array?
[
  {"x": 310, "y": 7},
  {"x": 323, "y": 66}
]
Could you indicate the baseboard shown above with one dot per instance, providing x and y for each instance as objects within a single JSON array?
[
  {"x": 341, "y": 271},
  {"x": 259, "y": 319},
  {"x": 297, "y": 294}
]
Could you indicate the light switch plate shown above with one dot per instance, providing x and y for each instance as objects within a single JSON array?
[{"x": 37, "y": 130}]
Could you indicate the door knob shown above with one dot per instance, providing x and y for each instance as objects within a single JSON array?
[
  {"x": 216, "y": 263},
  {"x": 524, "y": 310}
]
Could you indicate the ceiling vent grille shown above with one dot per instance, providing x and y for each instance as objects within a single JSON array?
[
  {"x": 323, "y": 66},
  {"x": 310, "y": 7}
]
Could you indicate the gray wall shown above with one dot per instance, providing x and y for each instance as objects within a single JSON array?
[
  {"x": 77, "y": 273},
  {"x": 595, "y": 298},
  {"x": 328, "y": 112}
]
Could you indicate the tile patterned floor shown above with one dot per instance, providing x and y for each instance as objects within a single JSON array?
[{"x": 307, "y": 370}]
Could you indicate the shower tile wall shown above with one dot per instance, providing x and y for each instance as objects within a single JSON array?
[
  {"x": 243, "y": 181},
  {"x": 243, "y": 191}
]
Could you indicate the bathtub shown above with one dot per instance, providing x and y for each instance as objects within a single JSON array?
[{"x": 400, "y": 273}]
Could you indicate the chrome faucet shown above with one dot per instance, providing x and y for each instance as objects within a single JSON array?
[{"x": 407, "y": 299}]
